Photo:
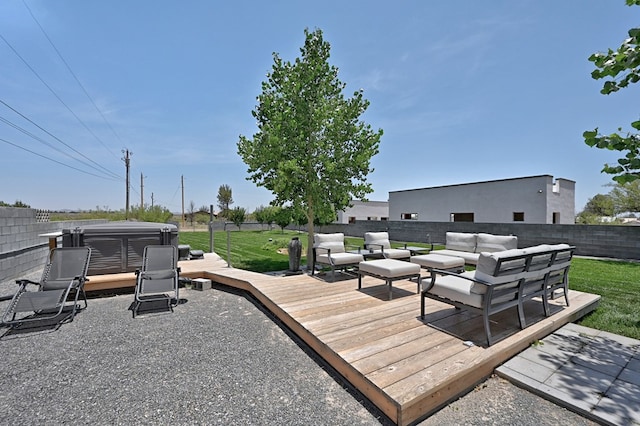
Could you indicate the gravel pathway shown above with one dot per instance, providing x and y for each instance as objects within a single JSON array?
[{"x": 218, "y": 359}]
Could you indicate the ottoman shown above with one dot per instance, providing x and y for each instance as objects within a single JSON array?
[
  {"x": 439, "y": 261},
  {"x": 389, "y": 270}
]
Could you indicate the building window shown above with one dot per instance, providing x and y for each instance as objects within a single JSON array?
[
  {"x": 384, "y": 218},
  {"x": 461, "y": 217},
  {"x": 518, "y": 216},
  {"x": 352, "y": 219},
  {"x": 409, "y": 216},
  {"x": 556, "y": 217},
  {"x": 372, "y": 218}
]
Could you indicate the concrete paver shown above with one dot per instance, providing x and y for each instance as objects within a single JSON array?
[{"x": 599, "y": 378}]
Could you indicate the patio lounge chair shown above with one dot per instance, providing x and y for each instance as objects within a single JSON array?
[
  {"x": 159, "y": 275},
  {"x": 378, "y": 242},
  {"x": 64, "y": 273},
  {"x": 329, "y": 249}
]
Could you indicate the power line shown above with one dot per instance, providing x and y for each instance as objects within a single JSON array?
[
  {"x": 73, "y": 74},
  {"x": 53, "y": 92},
  {"x": 26, "y": 132},
  {"x": 53, "y": 136},
  {"x": 50, "y": 159}
]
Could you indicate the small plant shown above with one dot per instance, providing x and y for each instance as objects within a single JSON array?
[
  {"x": 275, "y": 244},
  {"x": 537, "y": 343}
]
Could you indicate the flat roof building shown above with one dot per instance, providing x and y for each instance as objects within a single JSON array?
[
  {"x": 532, "y": 199},
  {"x": 364, "y": 210}
]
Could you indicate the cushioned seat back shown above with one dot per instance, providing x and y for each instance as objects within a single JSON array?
[
  {"x": 492, "y": 243},
  {"x": 334, "y": 242},
  {"x": 377, "y": 239},
  {"x": 563, "y": 256},
  {"x": 492, "y": 267},
  {"x": 461, "y": 241}
]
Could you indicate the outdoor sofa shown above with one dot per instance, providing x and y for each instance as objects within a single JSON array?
[
  {"x": 503, "y": 280},
  {"x": 469, "y": 245}
]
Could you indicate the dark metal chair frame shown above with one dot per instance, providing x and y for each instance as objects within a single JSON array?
[{"x": 64, "y": 273}]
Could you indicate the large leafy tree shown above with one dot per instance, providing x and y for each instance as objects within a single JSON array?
[
  {"x": 620, "y": 68},
  {"x": 311, "y": 150},
  {"x": 626, "y": 197},
  {"x": 600, "y": 205}
]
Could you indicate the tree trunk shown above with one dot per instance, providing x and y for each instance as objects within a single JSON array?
[{"x": 310, "y": 233}]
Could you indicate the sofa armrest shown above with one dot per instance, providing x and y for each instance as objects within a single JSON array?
[
  {"x": 435, "y": 272},
  {"x": 322, "y": 250},
  {"x": 373, "y": 246}
]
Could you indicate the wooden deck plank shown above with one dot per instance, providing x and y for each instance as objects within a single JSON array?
[
  {"x": 395, "y": 354},
  {"x": 361, "y": 330},
  {"x": 408, "y": 332},
  {"x": 406, "y": 366}
]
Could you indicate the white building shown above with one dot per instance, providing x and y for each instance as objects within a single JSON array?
[
  {"x": 533, "y": 199},
  {"x": 364, "y": 210}
]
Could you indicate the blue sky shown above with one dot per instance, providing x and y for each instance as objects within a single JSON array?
[{"x": 464, "y": 91}]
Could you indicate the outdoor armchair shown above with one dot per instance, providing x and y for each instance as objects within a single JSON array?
[
  {"x": 330, "y": 250},
  {"x": 378, "y": 243}
]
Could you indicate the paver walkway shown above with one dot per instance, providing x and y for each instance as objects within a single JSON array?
[{"x": 592, "y": 372}]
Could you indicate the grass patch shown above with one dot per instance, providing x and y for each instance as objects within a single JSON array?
[
  {"x": 258, "y": 251},
  {"x": 619, "y": 285},
  {"x": 617, "y": 282}
]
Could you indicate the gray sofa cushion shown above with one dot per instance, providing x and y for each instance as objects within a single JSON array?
[
  {"x": 340, "y": 259},
  {"x": 487, "y": 265},
  {"x": 493, "y": 243},
  {"x": 457, "y": 289},
  {"x": 469, "y": 257},
  {"x": 397, "y": 253},
  {"x": 377, "y": 239},
  {"x": 334, "y": 242},
  {"x": 460, "y": 241},
  {"x": 389, "y": 268}
]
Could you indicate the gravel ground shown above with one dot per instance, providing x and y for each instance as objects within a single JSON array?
[{"x": 218, "y": 359}]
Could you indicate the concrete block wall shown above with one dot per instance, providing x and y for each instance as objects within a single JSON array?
[
  {"x": 620, "y": 242},
  {"x": 22, "y": 249}
]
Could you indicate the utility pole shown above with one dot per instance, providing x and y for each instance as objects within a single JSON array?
[
  {"x": 141, "y": 191},
  {"x": 182, "y": 184},
  {"x": 127, "y": 161},
  {"x": 152, "y": 200}
]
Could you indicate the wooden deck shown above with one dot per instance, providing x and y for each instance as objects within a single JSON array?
[{"x": 405, "y": 366}]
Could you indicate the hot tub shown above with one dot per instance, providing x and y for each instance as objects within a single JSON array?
[{"x": 118, "y": 246}]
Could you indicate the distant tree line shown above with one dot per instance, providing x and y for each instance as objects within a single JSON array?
[
  {"x": 18, "y": 203},
  {"x": 622, "y": 199}
]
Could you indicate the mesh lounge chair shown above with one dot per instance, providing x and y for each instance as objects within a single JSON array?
[
  {"x": 64, "y": 273},
  {"x": 158, "y": 276}
]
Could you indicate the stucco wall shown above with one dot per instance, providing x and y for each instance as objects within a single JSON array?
[
  {"x": 490, "y": 202},
  {"x": 362, "y": 210},
  {"x": 562, "y": 201}
]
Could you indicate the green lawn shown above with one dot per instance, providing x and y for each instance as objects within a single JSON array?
[
  {"x": 251, "y": 250},
  {"x": 619, "y": 285},
  {"x": 617, "y": 282}
]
